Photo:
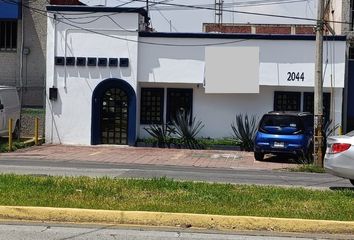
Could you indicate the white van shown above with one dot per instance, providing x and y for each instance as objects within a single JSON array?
[{"x": 9, "y": 108}]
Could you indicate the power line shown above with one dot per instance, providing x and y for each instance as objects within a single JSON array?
[
  {"x": 240, "y": 12},
  {"x": 130, "y": 40},
  {"x": 239, "y": 4},
  {"x": 199, "y": 8},
  {"x": 167, "y": 20}
]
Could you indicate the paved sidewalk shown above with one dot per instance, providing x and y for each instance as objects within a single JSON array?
[{"x": 149, "y": 156}]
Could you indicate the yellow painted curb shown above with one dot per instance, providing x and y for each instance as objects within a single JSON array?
[{"x": 216, "y": 222}]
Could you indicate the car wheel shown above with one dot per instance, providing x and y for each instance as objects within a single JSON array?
[
  {"x": 259, "y": 156},
  {"x": 351, "y": 181},
  {"x": 16, "y": 132}
]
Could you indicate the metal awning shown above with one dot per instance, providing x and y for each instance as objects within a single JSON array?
[{"x": 10, "y": 9}]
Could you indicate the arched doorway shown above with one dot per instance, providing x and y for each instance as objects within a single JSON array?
[{"x": 113, "y": 113}]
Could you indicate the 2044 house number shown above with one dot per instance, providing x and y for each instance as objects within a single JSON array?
[{"x": 296, "y": 76}]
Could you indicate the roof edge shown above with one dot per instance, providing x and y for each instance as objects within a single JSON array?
[
  {"x": 90, "y": 9},
  {"x": 239, "y": 36}
]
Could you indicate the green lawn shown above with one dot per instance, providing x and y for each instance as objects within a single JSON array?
[{"x": 166, "y": 195}]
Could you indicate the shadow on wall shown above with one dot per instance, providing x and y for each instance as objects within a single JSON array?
[
  {"x": 99, "y": 73},
  {"x": 151, "y": 55}
]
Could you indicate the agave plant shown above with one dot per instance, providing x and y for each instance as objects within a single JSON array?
[
  {"x": 187, "y": 129},
  {"x": 161, "y": 133},
  {"x": 328, "y": 130},
  {"x": 244, "y": 130}
]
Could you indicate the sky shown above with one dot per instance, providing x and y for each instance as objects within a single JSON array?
[{"x": 166, "y": 18}]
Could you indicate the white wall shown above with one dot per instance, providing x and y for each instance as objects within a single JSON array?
[
  {"x": 185, "y": 64},
  {"x": 218, "y": 111},
  {"x": 68, "y": 120}
]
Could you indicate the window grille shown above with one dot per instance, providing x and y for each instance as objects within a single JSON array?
[
  {"x": 178, "y": 101},
  {"x": 8, "y": 35},
  {"x": 152, "y": 102},
  {"x": 287, "y": 101}
]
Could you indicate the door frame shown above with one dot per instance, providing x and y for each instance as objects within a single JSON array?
[{"x": 97, "y": 95}]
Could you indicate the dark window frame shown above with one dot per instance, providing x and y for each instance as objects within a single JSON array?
[
  {"x": 297, "y": 95},
  {"x": 160, "y": 92},
  {"x": 326, "y": 101},
  {"x": 181, "y": 90},
  {"x": 8, "y": 35}
]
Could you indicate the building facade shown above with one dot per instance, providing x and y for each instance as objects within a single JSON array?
[
  {"x": 341, "y": 21},
  {"x": 107, "y": 78},
  {"x": 23, "y": 29}
]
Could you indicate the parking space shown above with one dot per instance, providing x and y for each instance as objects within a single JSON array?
[{"x": 151, "y": 156}]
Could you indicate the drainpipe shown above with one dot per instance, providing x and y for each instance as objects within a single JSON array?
[{"x": 21, "y": 66}]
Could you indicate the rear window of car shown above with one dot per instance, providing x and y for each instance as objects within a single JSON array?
[{"x": 281, "y": 121}]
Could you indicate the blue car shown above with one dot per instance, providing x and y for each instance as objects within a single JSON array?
[{"x": 285, "y": 133}]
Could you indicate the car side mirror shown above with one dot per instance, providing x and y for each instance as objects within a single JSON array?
[{"x": 1, "y": 106}]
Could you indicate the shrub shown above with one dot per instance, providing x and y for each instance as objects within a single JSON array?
[
  {"x": 187, "y": 129},
  {"x": 329, "y": 128},
  {"x": 161, "y": 133},
  {"x": 244, "y": 130}
]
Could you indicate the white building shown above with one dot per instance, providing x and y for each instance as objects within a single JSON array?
[{"x": 107, "y": 78}]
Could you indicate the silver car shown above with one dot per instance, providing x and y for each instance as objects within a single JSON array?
[{"x": 339, "y": 158}]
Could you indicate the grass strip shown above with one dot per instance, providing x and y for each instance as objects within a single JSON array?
[
  {"x": 307, "y": 168},
  {"x": 165, "y": 195}
]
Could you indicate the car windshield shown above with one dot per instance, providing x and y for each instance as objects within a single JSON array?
[{"x": 282, "y": 121}]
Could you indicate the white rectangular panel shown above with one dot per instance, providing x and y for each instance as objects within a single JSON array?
[{"x": 232, "y": 70}]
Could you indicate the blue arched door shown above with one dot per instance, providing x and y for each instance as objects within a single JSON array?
[{"x": 113, "y": 113}]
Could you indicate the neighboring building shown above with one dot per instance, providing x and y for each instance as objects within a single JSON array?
[
  {"x": 23, "y": 30},
  {"x": 120, "y": 79},
  {"x": 284, "y": 29},
  {"x": 340, "y": 16}
]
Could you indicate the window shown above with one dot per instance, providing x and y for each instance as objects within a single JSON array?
[
  {"x": 8, "y": 35},
  {"x": 287, "y": 101},
  {"x": 351, "y": 53},
  {"x": 309, "y": 103},
  {"x": 179, "y": 100},
  {"x": 152, "y": 100}
]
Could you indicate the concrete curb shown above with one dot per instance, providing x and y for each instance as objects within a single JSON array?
[{"x": 217, "y": 222}]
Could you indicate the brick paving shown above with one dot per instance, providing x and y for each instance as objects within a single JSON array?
[{"x": 149, "y": 156}]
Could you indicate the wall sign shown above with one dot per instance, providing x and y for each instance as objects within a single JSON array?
[
  {"x": 296, "y": 76},
  {"x": 300, "y": 74}
]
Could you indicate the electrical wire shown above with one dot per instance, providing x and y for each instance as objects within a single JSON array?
[
  {"x": 240, "y": 4},
  {"x": 203, "y": 8},
  {"x": 137, "y": 41},
  {"x": 168, "y": 21},
  {"x": 241, "y": 12},
  {"x": 125, "y": 39}
]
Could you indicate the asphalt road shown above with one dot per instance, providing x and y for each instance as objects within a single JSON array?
[
  {"x": 31, "y": 231},
  {"x": 234, "y": 176}
]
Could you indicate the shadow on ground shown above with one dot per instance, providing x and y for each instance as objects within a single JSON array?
[
  {"x": 342, "y": 188},
  {"x": 280, "y": 159}
]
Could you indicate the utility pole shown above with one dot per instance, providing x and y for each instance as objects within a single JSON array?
[
  {"x": 147, "y": 19},
  {"x": 147, "y": 7},
  {"x": 219, "y": 13},
  {"x": 318, "y": 102}
]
